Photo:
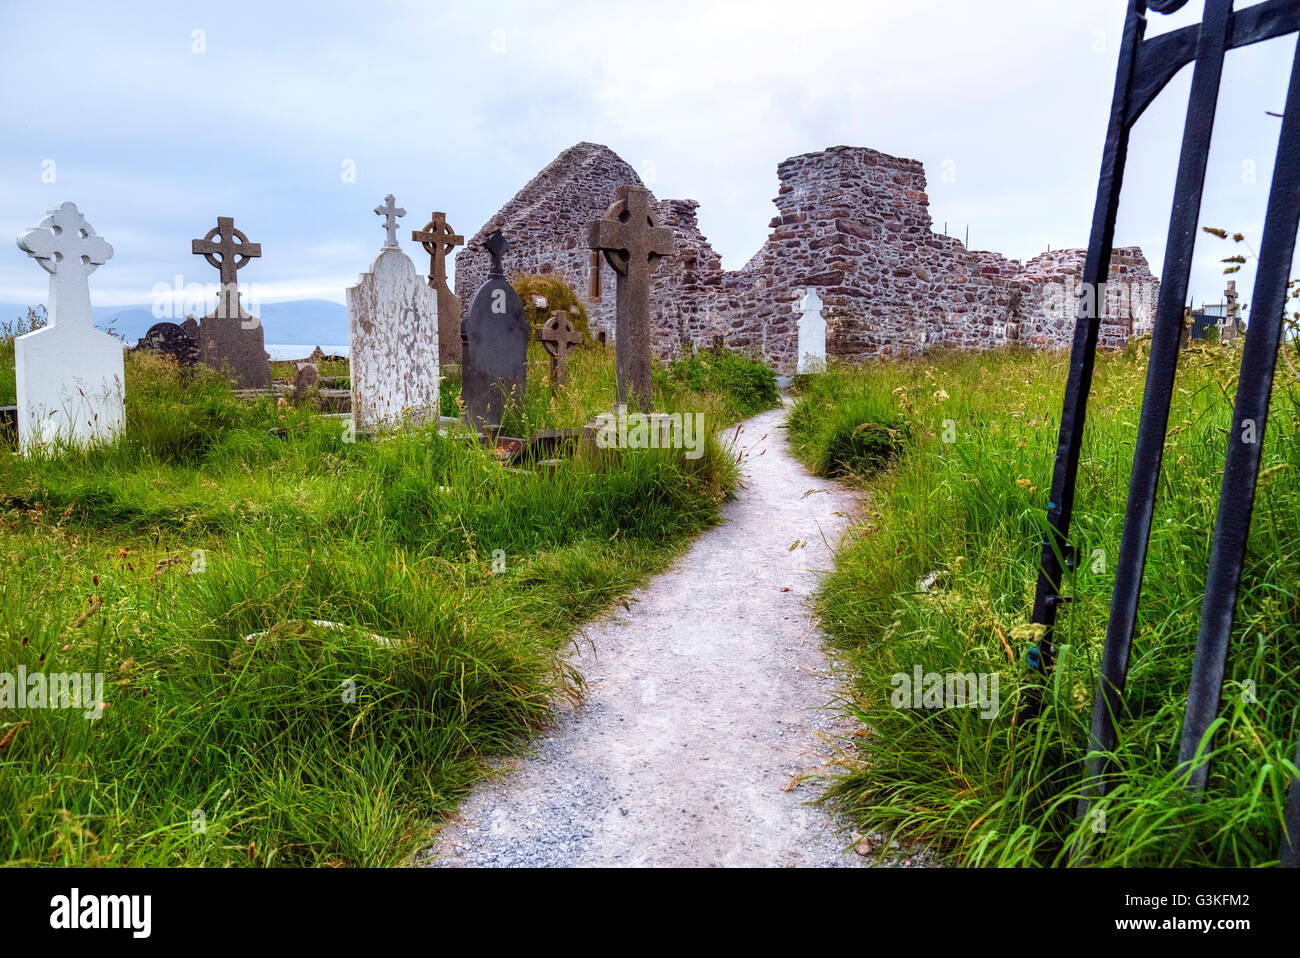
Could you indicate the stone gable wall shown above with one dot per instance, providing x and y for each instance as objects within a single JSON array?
[{"x": 852, "y": 222}]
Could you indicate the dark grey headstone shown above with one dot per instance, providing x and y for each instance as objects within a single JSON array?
[
  {"x": 173, "y": 340},
  {"x": 494, "y": 341}
]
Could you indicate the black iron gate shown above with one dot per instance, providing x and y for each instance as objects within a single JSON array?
[{"x": 1145, "y": 67}]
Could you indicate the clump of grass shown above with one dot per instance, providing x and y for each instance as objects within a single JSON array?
[
  {"x": 749, "y": 385},
  {"x": 843, "y": 428},
  {"x": 941, "y": 574},
  {"x": 8, "y": 379},
  {"x": 543, "y": 295},
  {"x": 35, "y": 318}
]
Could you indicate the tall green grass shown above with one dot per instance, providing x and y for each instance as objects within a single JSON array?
[
  {"x": 941, "y": 572},
  {"x": 456, "y": 585}
]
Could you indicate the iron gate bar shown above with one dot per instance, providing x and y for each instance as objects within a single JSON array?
[
  {"x": 1241, "y": 469},
  {"x": 1157, "y": 395},
  {"x": 1160, "y": 58},
  {"x": 1060, "y": 508}
]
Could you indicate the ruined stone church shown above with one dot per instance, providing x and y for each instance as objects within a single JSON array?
[{"x": 851, "y": 223}]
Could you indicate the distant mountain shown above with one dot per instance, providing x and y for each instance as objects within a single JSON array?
[{"x": 315, "y": 321}]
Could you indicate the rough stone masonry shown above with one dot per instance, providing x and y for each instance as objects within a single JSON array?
[{"x": 852, "y": 223}]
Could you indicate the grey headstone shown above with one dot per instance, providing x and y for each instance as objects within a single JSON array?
[
  {"x": 230, "y": 337},
  {"x": 307, "y": 377},
  {"x": 494, "y": 345}
]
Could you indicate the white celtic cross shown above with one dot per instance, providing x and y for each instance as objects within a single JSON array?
[{"x": 69, "y": 250}]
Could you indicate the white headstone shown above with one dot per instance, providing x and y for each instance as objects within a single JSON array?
[
  {"x": 393, "y": 322},
  {"x": 812, "y": 335},
  {"x": 70, "y": 376}
]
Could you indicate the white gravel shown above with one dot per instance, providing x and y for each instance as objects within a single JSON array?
[{"x": 706, "y": 704}]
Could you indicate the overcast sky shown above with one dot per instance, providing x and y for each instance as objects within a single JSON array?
[{"x": 158, "y": 117}]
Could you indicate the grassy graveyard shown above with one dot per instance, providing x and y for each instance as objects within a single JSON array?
[
  {"x": 941, "y": 574},
  {"x": 454, "y": 583}
]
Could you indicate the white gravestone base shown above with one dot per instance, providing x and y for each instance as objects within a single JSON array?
[{"x": 70, "y": 386}]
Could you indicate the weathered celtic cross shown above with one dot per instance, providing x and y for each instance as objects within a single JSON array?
[
  {"x": 438, "y": 240},
  {"x": 633, "y": 243},
  {"x": 234, "y": 257},
  {"x": 390, "y": 211},
  {"x": 558, "y": 338}
]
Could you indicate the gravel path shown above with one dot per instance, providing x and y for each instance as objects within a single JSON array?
[{"x": 703, "y": 709}]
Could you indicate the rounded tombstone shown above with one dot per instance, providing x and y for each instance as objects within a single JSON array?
[
  {"x": 171, "y": 340},
  {"x": 308, "y": 377}
]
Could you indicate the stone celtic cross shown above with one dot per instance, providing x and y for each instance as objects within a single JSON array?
[
  {"x": 69, "y": 250},
  {"x": 633, "y": 243},
  {"x": 234, "y": 257},
  {"x": 558, "y": 338},
  {"x": 390, "y": 211},
  {"x": 438, "y": 240}
]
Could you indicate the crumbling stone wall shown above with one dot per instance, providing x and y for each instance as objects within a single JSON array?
[
  {"x": 852, "y": 222},
  {"x": 1052, "y": 280}
]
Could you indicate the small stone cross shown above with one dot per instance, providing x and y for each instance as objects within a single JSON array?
[
  {"x": 497, "y": 247},
  {"x": 234, "y": 257},
  {"x": 390, "y": 211},
  {"x": 558, "y": 337},
  {"x": 633, "y": 243},
  {"x": 438, "y": 240},
  {"x": 65, "y": 238}
]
